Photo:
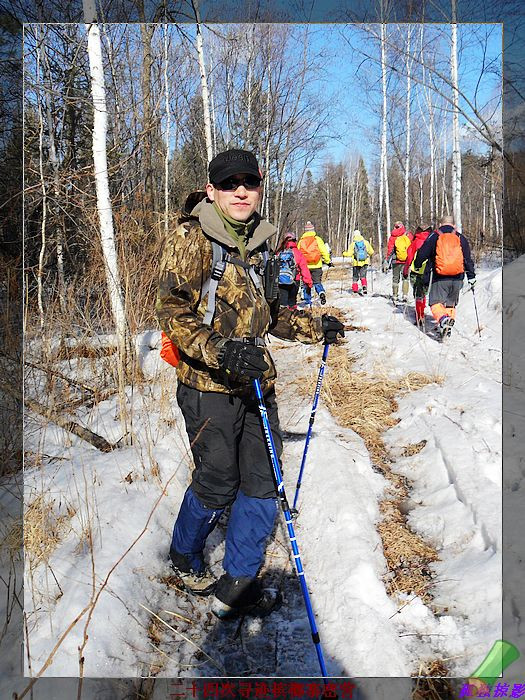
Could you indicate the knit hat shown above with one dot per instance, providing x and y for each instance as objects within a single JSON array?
[
  {"x": 447, "y": 221},
  {"x": 289, "y": 236},
  {"x": 309, "y": 226},
  {"x": 233, "y": 162},
  {"x": 357, "y": 232}
]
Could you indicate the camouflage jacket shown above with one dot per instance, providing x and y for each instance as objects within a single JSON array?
[{"x": 240, "y": 311}]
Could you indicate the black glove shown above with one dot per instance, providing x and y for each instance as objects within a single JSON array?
[
  {"x": 331, "y": 264},
  {"x": 332, "y": 327},
  {"x": 242, "y": 361}
]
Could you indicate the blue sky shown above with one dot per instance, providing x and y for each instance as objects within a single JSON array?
[{"x": 356, "y": 122}]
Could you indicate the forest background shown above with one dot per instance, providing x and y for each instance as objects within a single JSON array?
[{"x": 355, "y": 126}]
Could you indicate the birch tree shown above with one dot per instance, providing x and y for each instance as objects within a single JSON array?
[
  {"x": 456, "y": 147},
  {"x": 204, "y": 84},
  {"x": 384, "y": 196},
  {"x": 408, "y": 126},
  {"x": 104, "y": 209}
]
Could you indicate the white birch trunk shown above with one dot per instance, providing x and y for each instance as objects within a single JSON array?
[
  {"x": 484, "y": 214},
  {"x": 104, "y": 208},
  {"x": 456, "y": 147},
  {"x": 328, "y": 213},
  {"x": 408, "y": 125},
  {"x": 340, "y": 213},
  {"x": 384, "y": 156},
  {"x": 347, "y": 222},
  {"x": 420, "y": 180},
  {"x": 380, "y": 210},
  {"x": 204, "y": 85},
  {"x": 496, "y": 214},
  {"x": 354, "y": 200},
  {"x": 444, "y": 199}
]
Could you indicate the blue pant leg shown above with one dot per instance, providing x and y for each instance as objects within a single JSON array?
[
  {"x": 319, "y": 287},
  {"x": 251, "y": 523},
  {"x": 307, "y": 295},
  {"x": 193, "y": 525}
]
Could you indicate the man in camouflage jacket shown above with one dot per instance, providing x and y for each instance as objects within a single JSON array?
[{"x": 218, "y": 362}]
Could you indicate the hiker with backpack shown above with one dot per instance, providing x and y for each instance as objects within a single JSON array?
[
  {"x": 359, "y": 251},
  {"x": 398, "y": 244},
  {"x": 293, "y": 269},
  {"x": 419, "y": 289},
  {"x": 217, "y": 300},
  {"x": 316, "y": 253},
  {"x": 449, "y": 259}
]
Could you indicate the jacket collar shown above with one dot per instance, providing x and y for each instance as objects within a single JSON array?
[{"x": 212, "y": 225}]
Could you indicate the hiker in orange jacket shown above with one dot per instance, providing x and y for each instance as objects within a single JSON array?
[
  {"x": 448, "y": 254},
  {"x": 396, "y": 255}
]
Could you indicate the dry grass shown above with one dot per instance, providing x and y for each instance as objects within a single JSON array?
[
  {"x": 366, "y": 404},
  {"x": 414, "y": 448},
  {"x": 341, "y": 271},
  {"x": 44, "y": 529},
  {"x": 83, "y": 350},
  {"x": 432, "y": 683}
]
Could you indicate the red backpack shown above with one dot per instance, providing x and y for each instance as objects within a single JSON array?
[
  {"x": 310, "y": 249},
  {"x": 449, "y": 256}
]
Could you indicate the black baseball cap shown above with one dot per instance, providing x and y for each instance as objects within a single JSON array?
[{"x": 233, "y": 162}]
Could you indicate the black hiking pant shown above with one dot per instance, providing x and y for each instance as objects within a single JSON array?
[
  {"x": 230, "y": 453},
  {"x": 288, "y": 294}
]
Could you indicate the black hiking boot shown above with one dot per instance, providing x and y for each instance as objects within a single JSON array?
[
  {"x": 243, "y": 596},
  {"x": 365, "y": 290},
  {"x": 445, "y": 326},
  {"x": 322, "y": 297},
  {"x": 194, "y": 582}
]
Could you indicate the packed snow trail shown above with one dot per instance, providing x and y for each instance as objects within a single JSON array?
[{"x": 363, "y": 631}]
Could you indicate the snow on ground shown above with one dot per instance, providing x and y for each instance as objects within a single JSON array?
[{"x": 125, "y": 502}]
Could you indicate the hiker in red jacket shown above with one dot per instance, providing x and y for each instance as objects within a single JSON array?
[
  {"x": 398, "y": 244},
  {"x": 292, "y": 269},
  {"x": 416, "y": 274}
]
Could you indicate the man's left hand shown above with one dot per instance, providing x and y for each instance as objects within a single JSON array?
[
  {"x": 332, "y": 327},
  {"x": 331, "y": 264}
]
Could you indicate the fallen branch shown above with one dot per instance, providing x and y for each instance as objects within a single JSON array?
[{"x": 79, "y": 430}]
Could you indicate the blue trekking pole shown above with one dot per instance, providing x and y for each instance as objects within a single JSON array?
[
  {"x": 311, "y": 424},
  {"x": 288, "y": 518}
]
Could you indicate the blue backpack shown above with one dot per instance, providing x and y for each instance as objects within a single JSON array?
[
  {"x": 287, "y": 267},
  {"x": 360, "y": 252}
]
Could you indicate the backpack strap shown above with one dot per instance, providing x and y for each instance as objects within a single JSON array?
[
  {"x": 220, "y": 258},
  {"x": 218, "y": 265}
]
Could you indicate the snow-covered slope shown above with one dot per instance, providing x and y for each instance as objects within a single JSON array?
[{"x": 126, "y": 502}]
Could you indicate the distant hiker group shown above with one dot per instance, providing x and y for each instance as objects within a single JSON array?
[
  {"x": 302, "y": 262},
  {"x": 435, "y": 261}
]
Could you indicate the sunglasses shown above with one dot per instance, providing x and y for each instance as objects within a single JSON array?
[{"x": 249, "y": 182}]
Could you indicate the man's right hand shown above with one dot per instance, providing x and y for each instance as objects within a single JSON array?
[{"x": 242, "y": 361}]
